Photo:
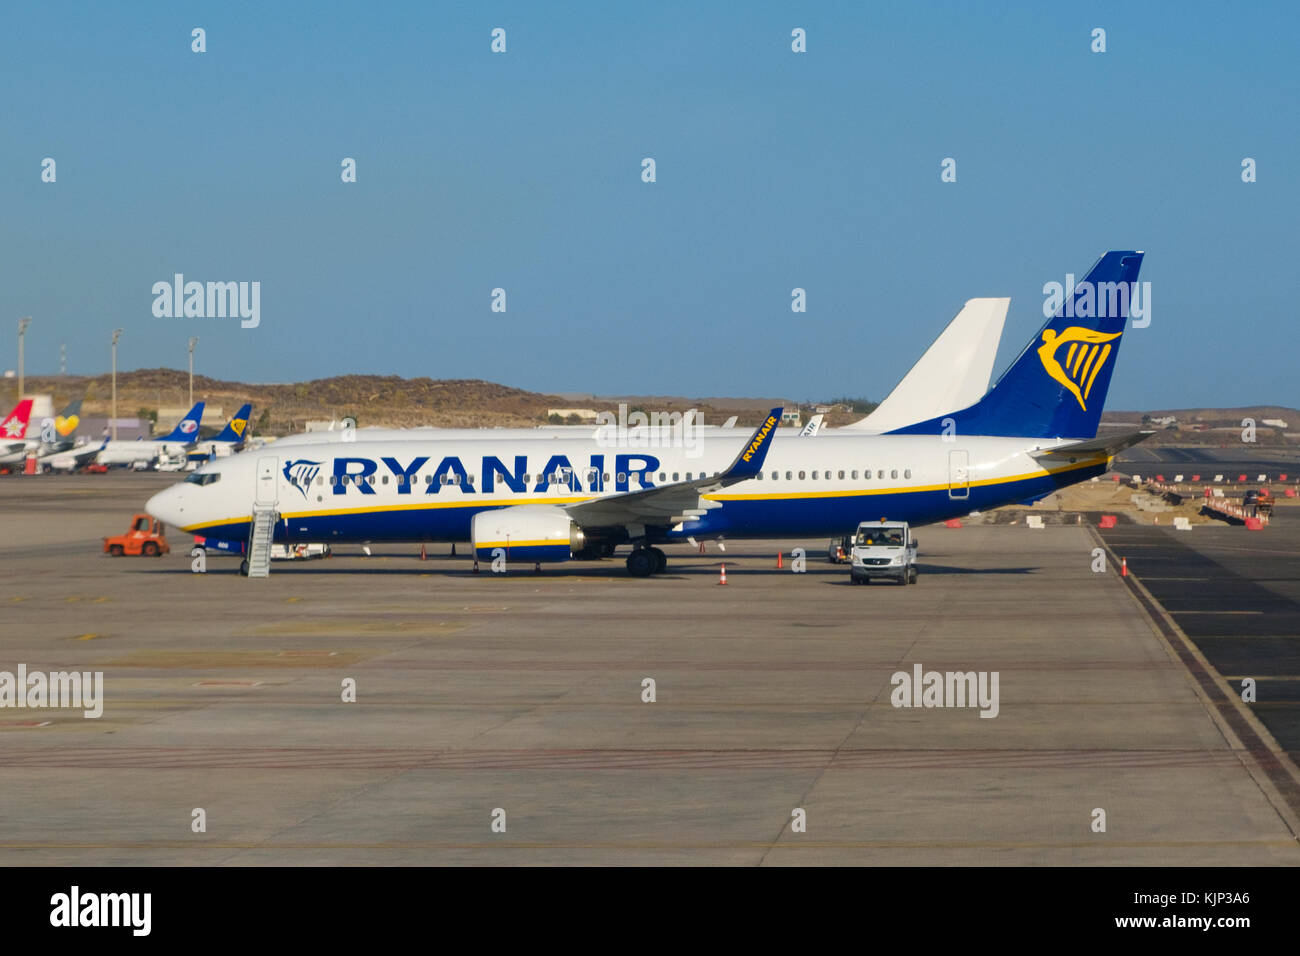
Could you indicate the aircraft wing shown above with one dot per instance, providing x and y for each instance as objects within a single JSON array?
[
  {"x": 1108, "y": 446},
  {"x": 676, "y": 502}
]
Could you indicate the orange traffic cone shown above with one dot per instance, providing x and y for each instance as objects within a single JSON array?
[
  {"x": 424, "y": 553},
  {"x": 723, "y": 579},
  {"x": 476, "y": 565},
  {"x": 701, "y": 547},
  {"x": 779, "y": 565},
  {"x": 1123, "y": 567}
]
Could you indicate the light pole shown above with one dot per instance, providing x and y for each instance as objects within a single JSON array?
[
  {"x": 117, "y": 333},
  {"x": 22, "y": 333},
  {"x": 193, "y": 342}
]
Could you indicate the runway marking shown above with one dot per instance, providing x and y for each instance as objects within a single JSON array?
[
  {"x": 551, "y": 761},
  {"x": 227, "y": 683},
  {"x": 229, "y": 660},
  {"x": 88, "y": 637},
  {"x": 1270, "y": 765},
  {"x": 1264, "y": 677},
  {"x": 786, "y": 844},
  {"x": 1181, "y": 613}
]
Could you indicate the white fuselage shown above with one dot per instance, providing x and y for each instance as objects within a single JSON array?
[{"x": 428, "y": 490}]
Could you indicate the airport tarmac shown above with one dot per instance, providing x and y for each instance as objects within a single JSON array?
[{"x": 523, "y": 693}]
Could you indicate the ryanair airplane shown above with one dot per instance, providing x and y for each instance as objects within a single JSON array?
[{"x": 553, "y": 498}]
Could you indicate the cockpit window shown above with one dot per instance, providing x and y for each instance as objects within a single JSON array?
[{"x": 203, "y": 477}]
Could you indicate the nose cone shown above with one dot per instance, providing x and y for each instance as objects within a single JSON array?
[{"x": 168, "y": 506}]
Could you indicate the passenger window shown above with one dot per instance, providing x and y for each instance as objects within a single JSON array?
[
  {"x": 776, "y": 475},
  {"x": 606, "y": 477},
  {"x": 855, "y": 474},
  {"x": 907, "y": 473},
  {"x": 867, "y": 474},
  {"x": 880, "y": 474},
  {"x": 385, "y": 479},
  {"x": 802, "y": 474},
  {"x": 788, "y": 476},
  {"x": 841, "y": 475},
  {"x": 893, "y": 473},
  {"x": 320, "y": 479},
  {"x": 622, "y": 477},
  {"x": 814, "y": 476},
  {"x": 528, "y": 479}
]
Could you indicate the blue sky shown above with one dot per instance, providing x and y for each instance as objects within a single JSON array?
[{"x": 775, "y": 170}]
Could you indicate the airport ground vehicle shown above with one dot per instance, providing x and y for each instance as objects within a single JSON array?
[
  {"x": 146, "y": 536},
  {"x": 1259, "y": 503},
  {"x": 837, "y": 551},
  {"x": 294, "y": 552},
  {"x": 883, "y": 549}
]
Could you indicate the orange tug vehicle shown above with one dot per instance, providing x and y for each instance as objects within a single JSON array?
[{"x": 145, "y": 537}]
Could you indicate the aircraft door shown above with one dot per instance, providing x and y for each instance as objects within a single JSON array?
[
  {"x": 958, "y": 474},
  {"x": 267, "y": 474}
]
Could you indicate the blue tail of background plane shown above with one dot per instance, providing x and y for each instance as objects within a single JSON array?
[
  {"x": 187, "y": 430},
  {"x": 1057, "y": 386},
  {"x": 237, "y": 427}
]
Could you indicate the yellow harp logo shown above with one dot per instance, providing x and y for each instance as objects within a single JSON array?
[{"x": 1087, "y": 353}]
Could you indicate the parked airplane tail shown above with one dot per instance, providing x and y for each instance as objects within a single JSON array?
[
  {"x": 187, "y": 430},
  {"x": 953, "y": 373},
  {"x": 67, "y": 421},
  {"x": 1057, "y": 386},
  {"x": 14, "y": 427},
  {"x": 237, "y": 426}
]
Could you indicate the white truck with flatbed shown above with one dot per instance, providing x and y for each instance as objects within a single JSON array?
[{"x": 883, "y": 549}]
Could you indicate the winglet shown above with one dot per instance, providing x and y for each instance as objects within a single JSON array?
[{"x": 750, "y": 460}]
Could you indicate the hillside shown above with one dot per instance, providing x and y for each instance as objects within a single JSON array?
[{"x": 370, "y": 400}]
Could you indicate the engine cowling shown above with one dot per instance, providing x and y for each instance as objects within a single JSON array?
[{"x": 526, "y": 533}]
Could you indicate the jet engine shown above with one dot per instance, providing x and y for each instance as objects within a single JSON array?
[{"x": 526, "y": 533}]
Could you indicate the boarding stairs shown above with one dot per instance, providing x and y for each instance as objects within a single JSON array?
[{"x": 259, "y": 541}]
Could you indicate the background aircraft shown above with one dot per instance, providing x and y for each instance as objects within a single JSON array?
[{"x": 175, "y": 442}]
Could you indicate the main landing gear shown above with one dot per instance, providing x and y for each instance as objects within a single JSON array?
[{"x": 643, "y": 562}]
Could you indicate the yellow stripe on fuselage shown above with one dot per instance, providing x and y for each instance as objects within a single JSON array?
[{"x": 539, "y": 543}]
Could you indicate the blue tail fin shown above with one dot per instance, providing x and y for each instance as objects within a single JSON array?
[
  {"x": 1057, "y": 386},
  {"x": 187, "y": 429},
  {"x": 237, "y": 426}
]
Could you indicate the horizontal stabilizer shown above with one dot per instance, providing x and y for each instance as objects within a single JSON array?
[{"x": 1108, "y": 446}]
